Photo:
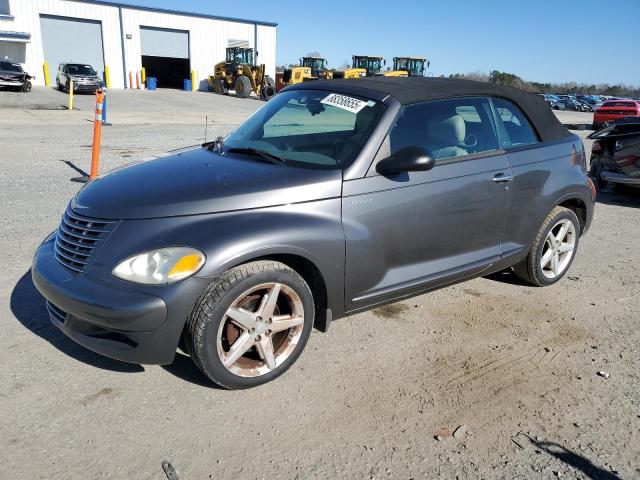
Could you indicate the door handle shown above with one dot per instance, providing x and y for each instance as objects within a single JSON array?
[{"x": 502, "y": 177}]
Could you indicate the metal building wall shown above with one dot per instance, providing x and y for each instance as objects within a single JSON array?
[
  {"x": 27, "y": 13},
  {"x": 208, "y": 37},
  {"x": 266, "y": 39}
]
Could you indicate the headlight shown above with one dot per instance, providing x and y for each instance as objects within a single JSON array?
[{"x": 157, "y": 267}]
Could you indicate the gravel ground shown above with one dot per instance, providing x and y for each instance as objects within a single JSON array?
[{"x": 516, "y": 366}]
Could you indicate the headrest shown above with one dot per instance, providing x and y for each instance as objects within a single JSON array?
[
  {"x": 449, "y": 130},
  {"x": 363, "y": 119}
]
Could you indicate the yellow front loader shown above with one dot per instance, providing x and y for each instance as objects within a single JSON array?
[{"x": 239, "y": 72}]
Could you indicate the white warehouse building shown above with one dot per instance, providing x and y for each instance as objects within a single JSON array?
[{"x": 122, "y": 39}]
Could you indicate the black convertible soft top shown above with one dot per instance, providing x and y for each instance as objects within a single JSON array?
[{"x": 408, "y": 90}]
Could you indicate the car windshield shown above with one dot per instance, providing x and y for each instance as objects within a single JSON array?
[
  {"x": 10, "y": 67},
  {"x": 619, "y": 104},
  {"x": 314, "y": 63},
  {"x": 80, "y": 70},
  {"x": 309, "y": 128},
  {"x": 416, "y": 67},
  {"x": 239, "y": 55}
]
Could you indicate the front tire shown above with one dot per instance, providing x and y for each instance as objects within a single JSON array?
[
  {"x": 243, "y": 86},
  {"x": 250, "y": 325},
  {"x": 553, "y": 249}
]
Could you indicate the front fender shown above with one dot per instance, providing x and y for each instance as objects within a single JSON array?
[{"x": 311, "y": 230}]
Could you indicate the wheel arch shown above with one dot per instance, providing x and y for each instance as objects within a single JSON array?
[
  {"x": 579, "y": 207},
  {"x": 303, "y": 263}
]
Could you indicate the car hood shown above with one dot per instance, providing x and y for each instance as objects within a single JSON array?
[
  {"x": 11, "y": 75},
  {"x": 198, "y": 181}
]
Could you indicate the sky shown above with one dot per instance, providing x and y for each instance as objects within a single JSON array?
[{"x": 587, "y": 41}]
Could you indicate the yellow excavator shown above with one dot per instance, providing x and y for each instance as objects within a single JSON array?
[
  {"x": 239, "y": 72},
  {"x": 407, "y": 67},
  {"x": 310, "y": 68}
]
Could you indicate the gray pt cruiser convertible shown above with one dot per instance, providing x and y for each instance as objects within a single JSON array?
[{"x": 335, "y": 197}]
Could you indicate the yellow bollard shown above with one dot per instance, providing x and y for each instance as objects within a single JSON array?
[
  {"x": 193, "y": 80},
  {"x": 144, "y": 75},
  {"x": 45, "y": 67},
  {"x": 70, "y": 94},
  {"x": 107, "y": 77}
]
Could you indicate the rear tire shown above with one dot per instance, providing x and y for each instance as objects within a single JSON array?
[
  {"x": 211, "y": 335},
  {"x": 243, "y": 86},
  {"x": 269, "y": 90},
  {"x": 539, "y": 267}
]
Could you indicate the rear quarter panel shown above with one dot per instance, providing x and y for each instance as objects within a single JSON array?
[{"x": 545, "y": 176}]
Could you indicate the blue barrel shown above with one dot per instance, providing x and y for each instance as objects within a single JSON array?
[
  {"x": 187, "y": 85},
  {"x": 152, "y": 83}
]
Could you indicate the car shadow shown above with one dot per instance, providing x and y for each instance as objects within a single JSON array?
[
  {"x": 507, "y": 276},
  {"x": 28, "y": 306},
  {"x": 183, "y": 368},
  {"x": 574, "y": 460},
  {"x": 620, "y": 196}
]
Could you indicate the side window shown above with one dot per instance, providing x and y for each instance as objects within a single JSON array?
[
  {"x": 447, "y": 128},
  {"x": 515, "y": 129}
]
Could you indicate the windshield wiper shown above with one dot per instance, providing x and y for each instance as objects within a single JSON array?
[{"x": 269, "y": 157}]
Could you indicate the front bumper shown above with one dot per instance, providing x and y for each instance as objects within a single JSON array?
[
  {"x": 11, "y": 83},
  {"x": 112, "y": 320},
  {"x": 620, "y": 178},
  {"x": 85, "y": 87}
]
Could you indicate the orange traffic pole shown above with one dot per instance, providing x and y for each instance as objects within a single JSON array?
[
  {"x": 130, "y": 80},
  {"x": 138, "y": 80},
  {"x": 97, "y": 133}
]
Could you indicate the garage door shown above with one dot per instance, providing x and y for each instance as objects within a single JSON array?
[
  {"x": 165, "y": 55},
  {"x": 72, "y": 40}
]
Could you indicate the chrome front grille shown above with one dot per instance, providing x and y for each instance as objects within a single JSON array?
[
  {"x": 78, "y": 239},
  {"x": 57, "y": 315}
]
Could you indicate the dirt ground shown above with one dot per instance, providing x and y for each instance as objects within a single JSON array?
[{"x": 379, "y": 396}]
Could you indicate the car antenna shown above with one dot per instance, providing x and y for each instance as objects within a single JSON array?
[{"x": 206, "y": 124}]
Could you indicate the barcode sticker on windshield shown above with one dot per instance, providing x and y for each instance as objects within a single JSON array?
[{"x": 346, "y": 103}]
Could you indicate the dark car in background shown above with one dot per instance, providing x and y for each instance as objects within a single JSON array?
[
  {"x": 553, "y": 101},
  {"x": 615, "y": 110},
  {"x": 83, "y": 77},
  {"x": 615, "y": 153},
  {"x": 12, "y": 76},
  {"x": 334, "y": 198}
]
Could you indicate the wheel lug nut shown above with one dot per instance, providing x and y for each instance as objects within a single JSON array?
[{"x": 258, "y": 338}]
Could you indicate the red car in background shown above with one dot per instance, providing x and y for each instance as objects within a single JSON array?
[{"x": 614, "y": 110}]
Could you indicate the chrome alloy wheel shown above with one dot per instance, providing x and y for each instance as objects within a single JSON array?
[
  {"x": 558, "y": 249},
  {"x": 260, "y": 329}
]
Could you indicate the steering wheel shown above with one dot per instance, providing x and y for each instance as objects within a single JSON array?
[{"x": 340, "y": 144}]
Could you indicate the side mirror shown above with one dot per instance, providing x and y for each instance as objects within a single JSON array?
[{"x": 407, "y": 159}]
